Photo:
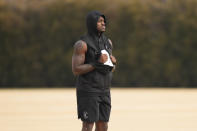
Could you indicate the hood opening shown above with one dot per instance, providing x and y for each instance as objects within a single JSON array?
[{"x": 91, "y": 22}]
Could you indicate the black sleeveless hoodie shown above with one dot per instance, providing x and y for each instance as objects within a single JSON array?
[{"x": 94, "y": 82}]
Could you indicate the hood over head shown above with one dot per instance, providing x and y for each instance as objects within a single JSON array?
[{"x": 91, "y": 22}]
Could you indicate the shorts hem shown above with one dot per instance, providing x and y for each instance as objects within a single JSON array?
[{"x": 91, "y": 121}]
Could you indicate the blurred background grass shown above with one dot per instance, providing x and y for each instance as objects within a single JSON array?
[{"x": 154, "y": 41}]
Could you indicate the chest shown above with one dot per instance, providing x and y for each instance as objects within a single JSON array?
[{"x": 94, "y": 49}]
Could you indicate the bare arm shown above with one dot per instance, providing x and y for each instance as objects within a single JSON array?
[
  {"x": 110, "y": 43},
  {"x": 113, "y": 59},
  {"x": 78, "y": 59}
]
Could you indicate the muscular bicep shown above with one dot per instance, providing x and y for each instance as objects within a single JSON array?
[{"x": 78, "y": 59}]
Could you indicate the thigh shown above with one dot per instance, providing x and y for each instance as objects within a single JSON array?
[
  {"x": 101, "y": 126},
  {"x": 105, "y": 108},
  {"x": 88, "y": 109}
]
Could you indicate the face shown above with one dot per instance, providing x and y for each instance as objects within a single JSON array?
[{"x": 101, "y": 24}]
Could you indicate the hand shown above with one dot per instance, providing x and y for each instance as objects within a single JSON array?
[
  {"x": 113, "y": 59},
  {"x": 103, "y": 58}
]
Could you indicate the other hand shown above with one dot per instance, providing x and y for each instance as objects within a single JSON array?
[{"x": 113, "y": 59}]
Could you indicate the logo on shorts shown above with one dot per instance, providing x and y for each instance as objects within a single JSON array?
[{"x": 85, "y": 115}]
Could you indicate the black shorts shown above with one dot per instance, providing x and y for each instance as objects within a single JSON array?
[{"x": 94, "y": 108}]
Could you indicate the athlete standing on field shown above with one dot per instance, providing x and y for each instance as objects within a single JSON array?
[{"x": 93, "y": 64}]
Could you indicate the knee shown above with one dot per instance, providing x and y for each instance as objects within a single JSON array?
[
  {"x": 105, "y": 126},
  {"x": 87, "y": 126}
]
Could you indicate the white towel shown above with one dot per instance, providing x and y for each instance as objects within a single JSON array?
[{"x": 108, "y": 62}]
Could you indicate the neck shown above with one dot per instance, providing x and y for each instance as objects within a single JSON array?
[
  {"x": 95, "y": 34},
  {"x": 99, "y": 34}
]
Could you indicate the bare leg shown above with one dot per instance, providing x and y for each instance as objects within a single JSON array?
[
  {"x": 101, "y": 126},
  {"x": 86, "y": 126}
]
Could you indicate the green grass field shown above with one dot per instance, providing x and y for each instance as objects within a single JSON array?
[{"x": 133, "y": 109}]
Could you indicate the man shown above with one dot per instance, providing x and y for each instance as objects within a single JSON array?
[{"x": 93, "y": 63}]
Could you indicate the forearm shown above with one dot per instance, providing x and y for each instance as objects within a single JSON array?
[
  {"x": 82, "y": 69},
  {"x": 114, "y": 68}
]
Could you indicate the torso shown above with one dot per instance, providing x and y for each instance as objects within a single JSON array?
[{"x": 94, "y": 81}]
